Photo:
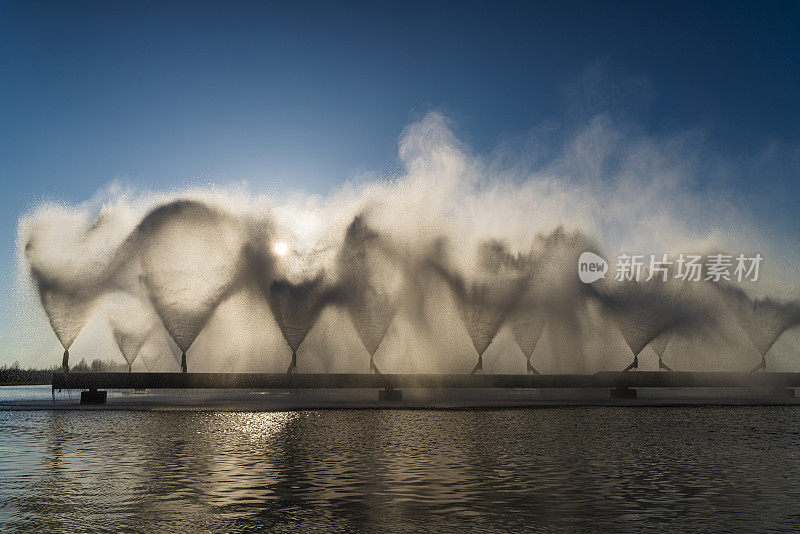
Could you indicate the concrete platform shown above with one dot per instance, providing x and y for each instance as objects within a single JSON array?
[
  {"x": 279, "y": 391},
  {"x": 603, "y": 379},
  {"x": 412, "y": 398}
]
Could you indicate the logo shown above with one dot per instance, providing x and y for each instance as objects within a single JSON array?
[{"x": 591, "y": 267}]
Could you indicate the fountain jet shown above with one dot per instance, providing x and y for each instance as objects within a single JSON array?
[
  {"x": 659, "y": 346},
  {"x": 763, "y": 319},
  {"x": 296, "y": 308},
  {"x": 133, "y": 322},
  {"x": 485, "y": 302},
  {"x": 647, "y": 311},
  {"x": 192, "y": 259},
  {"x": 527, "y": 330},
  {"x": 369, "y": 284},
  {"x": 68, "y": 307}
]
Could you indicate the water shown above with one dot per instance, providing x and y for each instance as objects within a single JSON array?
[
  {"x": 12, "y": 394},
  {"x": 546, "y": 469}
]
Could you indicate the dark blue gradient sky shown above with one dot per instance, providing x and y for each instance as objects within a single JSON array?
[{"x": 307, "y": 94}]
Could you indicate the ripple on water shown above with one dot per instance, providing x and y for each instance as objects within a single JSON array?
[{"x": 617, "y": 469}]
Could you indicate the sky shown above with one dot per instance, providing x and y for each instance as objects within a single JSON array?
[{"x": 307, "y": 95}]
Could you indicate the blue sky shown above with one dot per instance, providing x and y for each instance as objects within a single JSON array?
[{"x": 308, "y": 94}]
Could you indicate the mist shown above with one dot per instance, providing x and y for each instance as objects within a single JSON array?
[{"x": 455, "y": 259}]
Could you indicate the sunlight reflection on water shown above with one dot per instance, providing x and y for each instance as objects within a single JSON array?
[{"x": 618, "y": 469}]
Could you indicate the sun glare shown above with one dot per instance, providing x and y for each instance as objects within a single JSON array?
[{"x": 280, "y": 248}]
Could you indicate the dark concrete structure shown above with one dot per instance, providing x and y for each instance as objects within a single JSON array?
[
  {"x": 621, "y": 384},
  {"x": 93, "y": 396}
]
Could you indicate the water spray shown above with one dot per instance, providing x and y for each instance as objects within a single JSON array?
[
  {"x": 527, "y": 330},
  {"x": 296, "y": 308},
  {"x": 486, "y": 301},
  {"x": 185, "y": 257},
  {"x": 659, "y": 346},
  {"x": 764, "y": 320},
  {"x": 369, "y": 282},
  {"x": 648, "y": 312}
]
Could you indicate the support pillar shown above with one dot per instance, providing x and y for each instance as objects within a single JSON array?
[
  {"x": 390, "y": 394},
  {"x": 183, "y": 363},
  {"x": 662, "y": 365},
  {"x": 65, "y": 362},
  {"x": 94, "y": 396}
]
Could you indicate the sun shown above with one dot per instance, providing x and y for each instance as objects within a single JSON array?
[{"x": 280, "y": 248}]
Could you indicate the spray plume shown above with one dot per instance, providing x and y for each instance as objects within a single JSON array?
[
  {"x": 503, "y": 254},
  {"x": 527, "y": 329},
  {"x": 296, "y": 308},
  {"x": 487, "y": 298},
  {"x": 644, "y": 312},
  {"x": 133, "y": 323},
  {"x": 371, "y": 282},
  {"x": 763, "y": 319}
]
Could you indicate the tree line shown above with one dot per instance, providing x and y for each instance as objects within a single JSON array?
[{"x": 14, "y": 375}]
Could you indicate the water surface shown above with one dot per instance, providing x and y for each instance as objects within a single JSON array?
[{"x": 569, "y": 468}]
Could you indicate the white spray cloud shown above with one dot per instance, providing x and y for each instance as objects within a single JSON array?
[{"x": 192, "y": 255}]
